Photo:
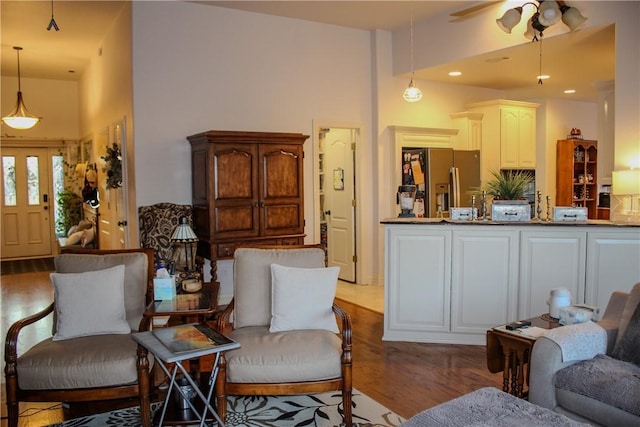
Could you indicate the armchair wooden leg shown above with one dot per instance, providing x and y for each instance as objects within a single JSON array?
[
  {"x": 144, "y": 386},
  {"x": 221, "y": 394},
  {"x": 11, "y": 396},
  {"x": 346, "y": 404}
]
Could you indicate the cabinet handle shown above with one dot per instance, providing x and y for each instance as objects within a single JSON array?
[
  {"x": 286, "y": 153},
  {"x": 241, "y": 152},
  {"x": 262, "y": 203}
]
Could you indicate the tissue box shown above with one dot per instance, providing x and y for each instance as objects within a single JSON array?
[
  {"x": 464, "y": 214},
  {"x": 565, "y": 213},
  {"x": 164, "y": 288},
  {"x": 518, "y": 211},
  {"x": 577, "y": 314}
]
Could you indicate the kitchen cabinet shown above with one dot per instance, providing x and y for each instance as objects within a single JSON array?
[
  {"x": 576, "y": 174},
  {"x": 417, "y": 292},
  {"x": 449, "y": 281},
  {"x": 469, "y": 127},
  {"x": 508, "y": 135},
  {"x": 483, "y": 263},
  {"x": 612, "y": 263},
  {"x": 247, "y": 188},
  {"x": 550, "y": 259}
]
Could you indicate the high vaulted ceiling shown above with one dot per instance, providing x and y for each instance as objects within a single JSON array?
[{"x": 63, "y": 55}]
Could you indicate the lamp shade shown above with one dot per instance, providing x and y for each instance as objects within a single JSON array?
[
  {"x": 412, "y": 93},
  {"x": 549, "y": 13},
  {"x": 625, "y": 182},
  {"x": 572, "y": 18},
  {"x": 510, "y": 19},
  {"x": 183, "y": 232}
]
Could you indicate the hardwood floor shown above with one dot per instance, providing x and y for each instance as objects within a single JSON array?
[{"x": 405, "y": 377}]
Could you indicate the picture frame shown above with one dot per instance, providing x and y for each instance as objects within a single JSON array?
[{"x": 338, "y": 179}]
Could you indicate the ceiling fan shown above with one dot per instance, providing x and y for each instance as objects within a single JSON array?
[{"x": 464, "y": 13}]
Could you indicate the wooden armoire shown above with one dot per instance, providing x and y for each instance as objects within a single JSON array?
[{"x": 247, "y": 188}]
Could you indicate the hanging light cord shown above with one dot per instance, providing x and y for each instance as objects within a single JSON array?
[
  {"x": 411, "y": 45},
  {"x": 540, "y": 74},
  {"x": 18, "y": 49},
  {"x": 52, "y": 23}
]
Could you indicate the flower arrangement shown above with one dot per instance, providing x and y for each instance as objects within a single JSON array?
[{"x": 113, "y": 167}]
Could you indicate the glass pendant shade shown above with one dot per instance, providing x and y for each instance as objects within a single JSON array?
[
  {"x": 20, "y": 118},
  {"x": 412, "y": 93},
  {"x": 510, "y": 19},
  {"x": 572, "y": 18},
  {"x": 549, "y": 13},
  {"x": 531, "y": 33}
]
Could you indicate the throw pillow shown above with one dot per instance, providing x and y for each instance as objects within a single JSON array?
[
  {"x": 302, "y": 298},
  {"x": 627, "y": 348},
  {"x": 90, "y": 303},
  {"x": 87, "y": 236},
  {"x": 74, "y": 239}
]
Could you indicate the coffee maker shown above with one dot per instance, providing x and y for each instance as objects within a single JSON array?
[{"x": 406, "y": 197}]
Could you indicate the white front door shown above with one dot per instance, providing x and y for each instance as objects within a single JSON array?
[
  {"x": 339, "y": 147},
  {"x": 26, "y": 221}
]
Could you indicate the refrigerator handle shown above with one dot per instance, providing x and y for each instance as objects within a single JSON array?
[{"x": 455, "y": 187}]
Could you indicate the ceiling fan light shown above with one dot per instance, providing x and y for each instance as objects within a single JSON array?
[
  {"x": 572, "y": 18},
  {"x": 510, "y": 19},
  {"x": 412, "y": 93},
  {"x": 531, "y": 33},
  {"x": 549, "y": 13}
]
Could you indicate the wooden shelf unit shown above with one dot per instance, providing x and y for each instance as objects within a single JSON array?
[{"x": 576, "y": 174}]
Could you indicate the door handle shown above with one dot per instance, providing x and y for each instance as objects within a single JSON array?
[{"x": 122, "y": 223}]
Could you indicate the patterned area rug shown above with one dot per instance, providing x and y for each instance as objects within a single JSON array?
[
  {"x": 319, "y": 410},
  {"x": 26, "y": 266}
]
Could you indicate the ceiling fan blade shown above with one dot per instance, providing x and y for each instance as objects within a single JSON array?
[{"x": 473, "y": 9}]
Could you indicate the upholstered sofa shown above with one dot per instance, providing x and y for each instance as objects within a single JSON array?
[{"x": 591, "y": 371}]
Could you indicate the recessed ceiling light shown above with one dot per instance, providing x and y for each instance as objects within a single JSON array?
[
  {"x": 543, "y": 77},
  {"x": 570, "y": 91},
  {"x": 455, "y": 73}
]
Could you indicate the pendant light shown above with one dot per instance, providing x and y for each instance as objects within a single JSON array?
[
  {"x": 20, "y": 118},
  {"x": 412, "y": 93}
]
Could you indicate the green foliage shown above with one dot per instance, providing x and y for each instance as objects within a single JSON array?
[
  {"x": 113, "y": 166},
  {"x": 508, "y": 185},
  {"x": 71, "y": 206}
]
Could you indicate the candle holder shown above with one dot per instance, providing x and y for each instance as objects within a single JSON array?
[
  {"x": 473, "y": 208},
  {"x": 548, "y": 208},
  {"x": 539, "y": 205},
  {"x": 483, "y": 208}
]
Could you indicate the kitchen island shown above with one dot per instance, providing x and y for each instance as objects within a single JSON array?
[{"x": 449, "y": 281}]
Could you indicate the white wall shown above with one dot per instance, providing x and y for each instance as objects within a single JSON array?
[{"x": 197, "y": 68}]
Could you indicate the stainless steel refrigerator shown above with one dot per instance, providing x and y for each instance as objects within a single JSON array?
[{"x": 444, "y": 177}]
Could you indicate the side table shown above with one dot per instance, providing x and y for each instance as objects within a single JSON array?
[
  {"x": 160, "y": 351},
  {"x": 509, "y": 351}
]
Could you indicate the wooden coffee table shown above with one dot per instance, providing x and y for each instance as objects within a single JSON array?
[{"x": 509, "y": 352}]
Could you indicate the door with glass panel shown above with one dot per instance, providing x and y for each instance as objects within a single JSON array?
[{"x": 26, "y": 227}]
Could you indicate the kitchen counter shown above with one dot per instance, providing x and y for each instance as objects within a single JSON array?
[
  {"x": 450, "y": 281},
  {"x": 447, "y": 221}
]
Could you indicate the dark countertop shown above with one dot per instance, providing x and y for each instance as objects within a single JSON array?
[{"x": 534, "y": 222}]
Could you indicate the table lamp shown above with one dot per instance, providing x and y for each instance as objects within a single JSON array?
[
  {"x": 626, "y": 183},
  {"x": 184, "y": 234}
]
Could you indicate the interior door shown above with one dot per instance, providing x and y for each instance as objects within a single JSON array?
[
  {"x": 26, "y": 224},
  {"x": 340, "y": 201}
]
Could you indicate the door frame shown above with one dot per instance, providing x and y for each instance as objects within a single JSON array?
[{"x": 359, "y": 129}]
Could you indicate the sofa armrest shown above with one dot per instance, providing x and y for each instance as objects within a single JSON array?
[{"x": 547, "y": 357}]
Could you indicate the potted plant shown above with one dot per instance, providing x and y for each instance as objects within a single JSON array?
[
  {"x": 70, "y": 205},
  {"x": 509, "y": 185}
]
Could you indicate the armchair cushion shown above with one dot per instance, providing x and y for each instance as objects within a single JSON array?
[
  {"x": 603, "y": 379},
  {"x": 628, "y": 346},
  {"x": 302, "y": 298},
  {"x": 252, "y": 280},
  {"x": 90, "y": 303},
  {"x": 135, "y": 276},
  {"x": 282, "y": 357},
  {"x": 95, "y": 361}
]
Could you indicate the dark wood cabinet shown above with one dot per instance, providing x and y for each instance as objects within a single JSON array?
[
  {"x": 576, "y": 175},
  {"x": 247, "y": 188}
]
